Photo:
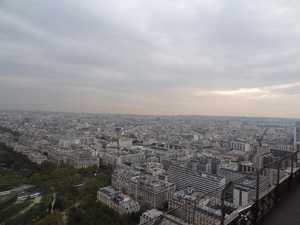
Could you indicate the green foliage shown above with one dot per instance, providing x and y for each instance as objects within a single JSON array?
[
  {"x": 63, "y": 181},
  {"x": 10, "y": 180},
  {"x": 15, "y": 161},
  {"x": 34, "y": 214},
  {"x": 17, "y": 168},
  {"x": 92, "y": 185},
  {"x": 13, "y": 210},
  {"x": 51, "y": 219},
  {"x": 4, "y": 202},
  {"x": 95, "y": 213}
]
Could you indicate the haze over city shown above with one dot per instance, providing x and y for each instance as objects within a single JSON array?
[
  {"x": 149, "y": 112},
  {"x": 209, "y": 57}
]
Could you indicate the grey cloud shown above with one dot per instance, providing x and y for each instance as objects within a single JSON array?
[{"x": 113, "y": 51}]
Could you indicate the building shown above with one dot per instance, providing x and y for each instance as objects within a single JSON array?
[
  {"x": 83, "y": 160},
  {"x": 209, "y": 211},
  {"x": 184, "y": 178},
  {"x": 151, "y": 217},
  {"x": 156, "y": 217},
  {"x": 244, "y": 192},
  {"x": 184, "y": 203},
  {"x": 230, "y": 174},
  {"x": 247, "y": 167},
  {"x": 113, "y": 156},
  {"x": 117, "y": 201},
  {"x": 242, "y": 195},
  {"x": 283, "y": 147},
  {"x": 121, "y": 178},
  {"x": 195, "y": 209},
  {"x": 132, "y": 157},
  {"x": 240, "y": 145},
  {"x": 297, "y": 138},
  {"x": 203, "y": 164},
  {"x": 149, "y": 190}
]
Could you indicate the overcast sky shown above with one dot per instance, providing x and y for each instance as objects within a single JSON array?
[{"x": 211, "y": 57}]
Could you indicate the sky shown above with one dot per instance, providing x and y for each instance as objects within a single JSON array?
[{"x": 166, "y": 57}]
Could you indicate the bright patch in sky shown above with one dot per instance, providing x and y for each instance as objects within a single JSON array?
[{"x": 208, "y": 57}]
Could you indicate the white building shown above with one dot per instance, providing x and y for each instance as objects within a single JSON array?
[
  {"x": 241, "y": 146},
  {"x": 117, "y": 201}
]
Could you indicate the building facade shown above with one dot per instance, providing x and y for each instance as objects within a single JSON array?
[{"x": 117, "y": 201}]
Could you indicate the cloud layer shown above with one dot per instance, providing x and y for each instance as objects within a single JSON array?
[
  {"x": 151, "y": 57},
  {"x": 274, "y": 91}
]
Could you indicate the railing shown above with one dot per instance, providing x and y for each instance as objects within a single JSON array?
[{"x": 281, "y": 179}]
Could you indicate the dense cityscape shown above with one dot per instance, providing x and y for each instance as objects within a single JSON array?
[
  {"x": 168, "y": 170},
  {"x": 149, "y": 112}
]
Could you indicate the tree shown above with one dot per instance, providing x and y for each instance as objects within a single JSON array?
[{"x": 51, "y": 219}]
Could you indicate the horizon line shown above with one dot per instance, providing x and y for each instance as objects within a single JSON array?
[{"x": 151, "y": 114}]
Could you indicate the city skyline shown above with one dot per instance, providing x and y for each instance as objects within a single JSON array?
[{"x": 206, "y": 57}]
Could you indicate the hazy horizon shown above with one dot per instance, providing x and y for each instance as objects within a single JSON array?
[
  {"x": 167, "y": 57},
  {"x": 150, "y": 115}
]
